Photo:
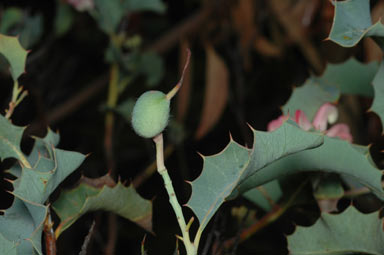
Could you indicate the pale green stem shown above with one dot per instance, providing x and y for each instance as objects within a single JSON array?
[
  {"x": 16, "y": 98},
  {"x": 189, "y": 246}
]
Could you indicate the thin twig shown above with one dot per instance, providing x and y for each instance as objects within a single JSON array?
[
  {"x": 87, "y": 239},
  {"x": 296, "y": 32},
  {"x": 270, "y": 217},
  {"x": 113, "y": 94},
  {"x": 173, "y": 92}
]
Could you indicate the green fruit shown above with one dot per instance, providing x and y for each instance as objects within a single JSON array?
[{"x": 150, "y": 114}]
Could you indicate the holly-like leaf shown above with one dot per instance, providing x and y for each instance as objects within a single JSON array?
[
  {"x": 350, "y": 77},
  {"x": 42, "y": 147},
  {"x": 333, "y": 156},
  {"x": 16, "y": 55},
  {"x": 102, "y": 194},
  {"x": 350, "y": 232},
  {"x": 224, "y": 172},
  {"x": 10, "y": 138},
  {"x": 378, "y": 100},
  {"x": 22, "y": 224},
  {"x": 7, "y": 247},
  {"x": 352, "y": 22},
  {"x": 37, "y": 183}
]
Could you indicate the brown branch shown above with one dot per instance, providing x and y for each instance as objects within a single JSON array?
[
  {"x": 187, "y": 27},
  {"x": 50, "y": 238},
  {"x": 73, "y": 104},
  {"x": 296, "y": 32}
]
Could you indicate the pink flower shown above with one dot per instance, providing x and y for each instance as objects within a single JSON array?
[{"x": 327, "y": 113}]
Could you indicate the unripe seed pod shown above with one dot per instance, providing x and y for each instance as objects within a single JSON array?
[{"x": 150, "y": 114}]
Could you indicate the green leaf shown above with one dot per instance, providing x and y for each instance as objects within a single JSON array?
[
  {"x": 42, "y": 147},
  {"x": 10, "y": 18},
  {"x": 22, "y": 223},
  {"x": 310, "y": 97},
  {"x": 7, "y": 247},
  {"x": 333, "y": 156},
  {"x": 108, "y": 14},
  {"x": 37, "y": 183},
  {"x": 328, "y": 190},
  {"x": 63, "y": 18},
  {"x": 264, "y": 195},
  {"x": 352, "y": 22},
  {"x": 350, "y": 77},
  {"x": 10, "y": 138},
  {"x": 378, "y": 100},
  {"x": 15, "y": 54},
  {"x": 350, "y": 232},
  {"x": 102, "y": 194},
  {"x": 152, "y": 66},
  {"x": 31, "y": 31},
  {"x": 225, "y": 171},
  {"x": 125, "y": 109},
  {"x": 144, "y": 5},
  {"x": 328, "y": 187}
]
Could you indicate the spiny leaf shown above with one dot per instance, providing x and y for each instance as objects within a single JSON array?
[
  {"x": 350, "y": 77},
  {"x": 10, "y": 138},
  {"x": 223, "y": 172},
  {"x": 22, "y": 224},
  {"x": 352, "y": 22},
  {"x": 37, "y": 183},
  {"x": 15, "y": 54},
  {"x": 350, "y": 232},
  {"x": 42, "y": 147},
  {"x": 378, "y": 100},
  {"x": 334, "y": 156},
  {"x": 7, "y": 247},
  {"x": 102, "y": 194}
]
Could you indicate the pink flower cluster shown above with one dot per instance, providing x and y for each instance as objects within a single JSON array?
[{"x": 327, "y": 113}]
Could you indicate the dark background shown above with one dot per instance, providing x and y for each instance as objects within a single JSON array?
[{"x": 261, "y": 80}]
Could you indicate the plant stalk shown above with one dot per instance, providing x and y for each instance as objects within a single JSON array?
[{"x": 162, "y": 170}]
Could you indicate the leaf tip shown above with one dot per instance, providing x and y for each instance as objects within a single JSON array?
[{"x": 201, "y": 155}]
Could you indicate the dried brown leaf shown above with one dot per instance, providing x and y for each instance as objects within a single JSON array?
[{"x": 216, "y": 92}]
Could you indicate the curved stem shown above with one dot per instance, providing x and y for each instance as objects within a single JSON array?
[
  {"x": 162, "y": 170},
  {"x": 173, "y": 92}
]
